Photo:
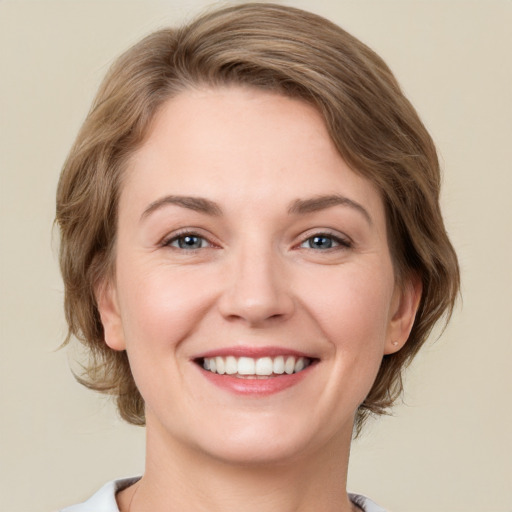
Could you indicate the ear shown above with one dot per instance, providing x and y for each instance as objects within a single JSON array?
[
  {"x": 108, "y": 307},
  {"x": 406, "y": 300}
]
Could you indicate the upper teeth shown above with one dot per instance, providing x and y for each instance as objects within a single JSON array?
[{"x": 249, "y": 366}]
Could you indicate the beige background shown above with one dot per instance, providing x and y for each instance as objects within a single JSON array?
[{"x": 449, "y": 448}]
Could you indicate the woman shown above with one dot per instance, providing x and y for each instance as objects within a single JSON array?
[{"x": 252, "y": 250}]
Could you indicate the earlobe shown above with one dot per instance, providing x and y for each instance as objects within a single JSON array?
[
  {"x": 108, "y": 308},
  {"x": 404, "y": 310}
]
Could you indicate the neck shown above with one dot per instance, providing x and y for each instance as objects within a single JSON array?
[{"x": 178, "y": 477}]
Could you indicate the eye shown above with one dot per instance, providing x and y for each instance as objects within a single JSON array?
[
  {"x": 324, "y": 241},
  {"x": 187, "y": 241}
]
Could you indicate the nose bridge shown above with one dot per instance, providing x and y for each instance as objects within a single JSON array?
[{"x": 256, "y": 289}]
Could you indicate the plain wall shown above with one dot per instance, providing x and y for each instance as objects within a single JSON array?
[{"x": 448, "y": 448}]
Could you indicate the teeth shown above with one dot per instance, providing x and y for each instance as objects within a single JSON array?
[
  {"x": 263, "y": 366},
  {"x": 246, "y": 366},
  {"x": 279, "y": 365},
  {"x": 221, "y": 367},
  {"x": 231, "y": 365},
  {"x": 289, "y": 365}
]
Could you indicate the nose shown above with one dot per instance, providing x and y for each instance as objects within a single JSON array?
[{"x": 257, "y": 290}]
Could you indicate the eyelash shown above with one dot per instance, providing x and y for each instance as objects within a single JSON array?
[{"x": 340, "y": 243}]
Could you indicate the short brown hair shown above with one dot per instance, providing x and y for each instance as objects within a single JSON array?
[{"x": 292, "y": 52}]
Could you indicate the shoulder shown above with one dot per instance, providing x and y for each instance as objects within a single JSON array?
[
  {"x": 364, "y": 503},
  {"x": 105, "y": 499}
]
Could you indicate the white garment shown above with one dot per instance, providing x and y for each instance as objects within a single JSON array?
[{"x": 105, "y": 499}]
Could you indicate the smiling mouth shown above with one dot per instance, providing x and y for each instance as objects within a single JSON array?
[{"x": 255, "y": 368}]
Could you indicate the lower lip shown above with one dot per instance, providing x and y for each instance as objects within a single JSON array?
[{"x": 256, "y": 386}]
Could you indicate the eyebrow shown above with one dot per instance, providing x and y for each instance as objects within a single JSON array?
[
  {"x": 297, "y": 207},
  {"x": 303, "y": 206},
  {"x": 198, "y": 204}
]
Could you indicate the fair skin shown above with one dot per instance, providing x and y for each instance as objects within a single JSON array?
[{"x": 243, "y": 233}]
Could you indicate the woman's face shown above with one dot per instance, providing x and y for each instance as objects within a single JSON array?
[{"x": 247, "y": 249}]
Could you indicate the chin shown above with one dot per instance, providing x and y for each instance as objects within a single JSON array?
[
  {"x": 269, "y": 440},
  {"x": 256, "y": 452}
]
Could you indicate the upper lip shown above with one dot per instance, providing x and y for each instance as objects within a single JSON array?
[{"x": 254, "y": 352}]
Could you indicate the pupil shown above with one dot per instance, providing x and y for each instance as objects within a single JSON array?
[
  {"x": 322, "y": 242},
  {"x": 190, "y": 242}
]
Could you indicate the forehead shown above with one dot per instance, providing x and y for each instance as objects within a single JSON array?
[{"x": 242, "y": 144}]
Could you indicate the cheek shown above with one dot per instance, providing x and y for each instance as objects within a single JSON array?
[
  {"x": 353, "y": 314},
  {"x": 160, "y": 307}
]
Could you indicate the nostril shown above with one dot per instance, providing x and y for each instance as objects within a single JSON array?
[{"x": 255, "y": 312}]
